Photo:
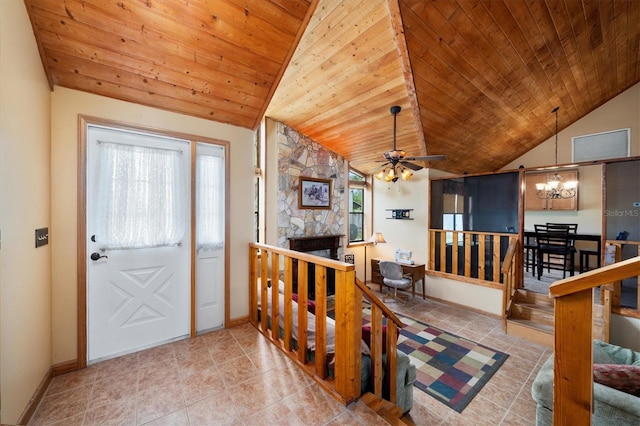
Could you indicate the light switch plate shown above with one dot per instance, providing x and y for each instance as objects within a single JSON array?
[{"x": 42, "y": 237}]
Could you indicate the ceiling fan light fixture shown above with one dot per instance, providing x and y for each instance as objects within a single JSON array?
[
  {"x": 391, "y": 174},
  {"x": 406, "y": 174},
  {"x": 396, "y": 165}
]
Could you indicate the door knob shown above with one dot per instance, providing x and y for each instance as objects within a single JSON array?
[{"x": 95, "y": 256}]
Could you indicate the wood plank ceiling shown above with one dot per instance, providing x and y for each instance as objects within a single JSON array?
[{"x": 477, "y": 79}]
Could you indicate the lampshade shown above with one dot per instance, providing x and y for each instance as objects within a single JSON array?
[{"x": 377, "y": 238}]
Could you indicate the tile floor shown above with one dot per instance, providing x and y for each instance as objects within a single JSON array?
[{"x": 237, "y": 377}]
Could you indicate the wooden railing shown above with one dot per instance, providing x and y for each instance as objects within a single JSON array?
[
  {"x": 269, "y": 264},
  {"x": 471, "y": 256},
  {"x": 573, "y": 360},
  {"x": 510, "y": 276}
]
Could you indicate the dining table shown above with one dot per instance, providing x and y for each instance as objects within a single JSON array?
[{"x": 530, "y": 235}]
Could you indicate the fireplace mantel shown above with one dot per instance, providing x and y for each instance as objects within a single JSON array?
[{"x": 315, "y": 243}]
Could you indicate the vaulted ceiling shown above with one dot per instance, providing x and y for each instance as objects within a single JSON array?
[{"x": 476, "y": 79}]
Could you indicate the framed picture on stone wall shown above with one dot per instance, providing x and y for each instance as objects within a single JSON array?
[{"x": 314, "y": 193}]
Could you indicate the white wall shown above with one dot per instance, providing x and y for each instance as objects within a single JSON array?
[
  {"x": 401, "y": 234},
  {"x": 412, "y": 235},
  {"x": 25, "y": 278},
  {"x": 66, "y": 105}
]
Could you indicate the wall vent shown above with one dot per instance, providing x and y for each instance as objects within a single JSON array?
[{"x": 601, "y": 146}]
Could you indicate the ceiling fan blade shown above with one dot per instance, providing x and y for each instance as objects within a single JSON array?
[
  {"x": 410, "y": 165},
  {"x": 377, "y": 169},
  {"x": 428, "y": 158}
]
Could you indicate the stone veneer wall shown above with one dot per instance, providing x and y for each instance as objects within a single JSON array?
[{"x": 300, "y": 156}]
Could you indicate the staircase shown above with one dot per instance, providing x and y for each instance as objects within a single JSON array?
[{"x": 532, "y": 318}]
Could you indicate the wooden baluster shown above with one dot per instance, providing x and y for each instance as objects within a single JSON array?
[
  {"x": 392, "y": 361},
  {"x": 288, "y": 308},
  {"x": 481, "y": 256},
  {"x": 443, "y": 251},
  {"x": 303, "y": 267},
  {"x": 264, "y": 298},
  {"x": 454, "y": 253},
  {"x": 432, "y": 250},
  {"x": 467, "y": 255},
  {"x": 321, "y": 321},
  {"x": 496, "y": 259},
  {"x": 376, "y": 349},
  {"x": 275, "y": 296}
]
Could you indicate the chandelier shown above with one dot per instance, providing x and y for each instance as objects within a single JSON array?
[{"x": 555, "y": 188}]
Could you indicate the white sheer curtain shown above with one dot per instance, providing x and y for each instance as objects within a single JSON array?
[
  {"x": 141, "y": 197},
  {"x": 210, "y": 199}
]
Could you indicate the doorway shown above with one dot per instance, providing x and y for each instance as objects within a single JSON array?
[{"x": 154, "y": 250}]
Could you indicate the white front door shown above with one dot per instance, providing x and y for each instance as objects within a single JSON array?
[
  {"x": 210, "y": 236},
  {"x": 138, "y": 253}
]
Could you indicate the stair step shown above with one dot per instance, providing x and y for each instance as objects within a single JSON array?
[
  {"x": 535, "y": 313},
  {"x": 524, "y": 296},
  {"x": 387, "y": 410},
  {"x": 531, "y": 331}
]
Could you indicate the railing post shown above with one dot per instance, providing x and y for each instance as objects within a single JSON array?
[
  {"x": 348, "y": 335},
  {"x": 573, "y": 361}
]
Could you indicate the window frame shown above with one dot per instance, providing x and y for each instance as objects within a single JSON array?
[{"x": 362, "y": 185}]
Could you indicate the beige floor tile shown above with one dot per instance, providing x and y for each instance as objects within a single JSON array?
[
  {"x": 512, "y": 419},
  {"x": 215, "y": 410},
  {"x": 159, "y": 401},
  {"x": 71, "y": 380},
  {"x": 314, "y": 406},
  {"x": 276, "y": 414},
  {"x": 125, "y": 364},
  {"x": 253, "y": 396},
  {"x": 237, "y": 370},
  {"x": 116, "y": 388},
  {"x": 194, "y": 362},
  {"x": 362, "y": 414},
  {"x": 177, "y": 418},
  {"x": 122, "y": 412},
  {"x": 205, "y": 384},
  {"x": 62, "y": 405}
]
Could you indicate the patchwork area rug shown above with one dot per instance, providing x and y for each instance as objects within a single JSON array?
[{"x": 450, "y": 368}]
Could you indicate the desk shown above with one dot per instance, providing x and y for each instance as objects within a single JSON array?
[
  {"x": 575, "y": 237},
  {"x": 416, "y": 271}
]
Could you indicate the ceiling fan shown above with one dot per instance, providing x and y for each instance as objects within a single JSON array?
[{"x": 396, "y": 163}]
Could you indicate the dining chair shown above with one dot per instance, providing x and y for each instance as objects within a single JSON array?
[{"x": 554, "y": 250}]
